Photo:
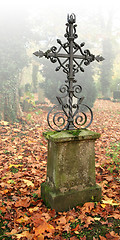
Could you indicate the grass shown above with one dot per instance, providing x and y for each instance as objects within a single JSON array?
[
  {"x": 3, "y": 229},
  {"x": 96, "y": 229},
  {"x": 113, "y": 154}
]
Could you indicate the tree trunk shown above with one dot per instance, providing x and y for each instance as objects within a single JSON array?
[
  {"x": 34, "y": 78},
  {"x": 1, "y": 107},
  {"x": 10, "y": 109}
]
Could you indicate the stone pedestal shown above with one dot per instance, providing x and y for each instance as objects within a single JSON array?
[{"x": 70, "y": 169}]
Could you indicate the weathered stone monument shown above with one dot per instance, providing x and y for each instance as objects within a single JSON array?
[{"x": 71, "y": 155}]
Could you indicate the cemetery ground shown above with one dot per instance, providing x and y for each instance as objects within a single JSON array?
[{"x": 23, "y": 157}]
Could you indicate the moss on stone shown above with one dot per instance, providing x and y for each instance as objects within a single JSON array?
[
  {"x": 68, "y": 135},
  {"x": 48, "y": 134},
  {"x": 64, "y": 201}
]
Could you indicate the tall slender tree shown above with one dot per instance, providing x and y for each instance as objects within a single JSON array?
[
  {"x": 13, "y": 58},
  {"x": 35, "y": 78},
  {"x": 106, "y": 68}
]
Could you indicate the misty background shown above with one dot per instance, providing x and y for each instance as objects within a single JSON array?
[{"x": 27, "y": 26}]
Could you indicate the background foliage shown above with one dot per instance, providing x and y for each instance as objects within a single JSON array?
[{"x": 25, "y": 27}]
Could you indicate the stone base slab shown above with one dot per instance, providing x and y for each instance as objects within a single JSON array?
[{"x": 64, "y": 201}]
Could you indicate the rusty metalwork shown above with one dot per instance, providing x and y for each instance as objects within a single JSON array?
[{"x": 73, "y": 114}]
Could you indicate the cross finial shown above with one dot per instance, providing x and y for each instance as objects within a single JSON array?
[{"x": 71, "y": 18}]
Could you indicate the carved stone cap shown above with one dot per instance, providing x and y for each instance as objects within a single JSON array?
[{"x": 71, "y": 135}]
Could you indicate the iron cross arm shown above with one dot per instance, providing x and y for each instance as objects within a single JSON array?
[{"x": 48, "y": 54}]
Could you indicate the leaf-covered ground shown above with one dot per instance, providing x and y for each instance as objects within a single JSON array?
[{"x": 23, "y": 157}]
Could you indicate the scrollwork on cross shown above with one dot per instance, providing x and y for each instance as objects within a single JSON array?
[{"x": 71, "y": 115}]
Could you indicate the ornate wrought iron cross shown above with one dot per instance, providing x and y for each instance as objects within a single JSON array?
[{"x": 73, "y": 114}]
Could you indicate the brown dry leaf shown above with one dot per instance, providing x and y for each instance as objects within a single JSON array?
[
  {"x": 45, "y": 216},
  {"x": 102, "y": 238},
  {"x": 4, "y": 191},
  {"x": 14, "y": 231},
  {"x": 52, "y": 213},
  {"x": 69, "y": 218},
  {"x": 61, "y": 221},
  {"x": 23, "y": 202},
  {"x": 88, "y": 206},
  {"x": 39, "y": 237},
  {"x": 115, "y": 215},
  {"x": 67, "y": 227},
  {"x": 44, "y": 226},
  {"x": 25, "y": 234},
  {"x": 23, "y": 219},
  {"x": 88, "y": 221},
  {"x": 74, "y": 238},
  {"x": 28, "y": 183},
  {"x": 3, "y": 209},
  {"x": 114, "y": 235},
  {"x": 36, "y": 218},
  {"x": 34, "y": 209},
  {"x": 109, "y": 178}
]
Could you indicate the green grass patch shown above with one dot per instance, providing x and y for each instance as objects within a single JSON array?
[
  {"x": 96, "y": 229},
  {"x": 3, "y": 229},
  {"x": 113, "y": 153}
]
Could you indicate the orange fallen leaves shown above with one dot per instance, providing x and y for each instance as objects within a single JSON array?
[
  {"x": 25, "y": 234},
  {"x": 43, "y": 228},
  {"x": 102, "y": 238},
  {"x": 36, "y": 219},
  {"x": 61, "y": 220},
  {"x": 28, "y": 182},
  {"x": 112, "y": 236},
  {"x": 23, "y": 157},
  {"x": 39, "y": 237},
  {"x": 3, "y": 209},
  {"x": 34, "y": 209},
  {"x": 14, "y": 231},
  {"x": 23, "y": 219},
  {"x": 67, "y": 227},
  {"x": 88, "y": 221},
  {"x": 23, "y": 202},
  {"x": 88, "y": 207}
]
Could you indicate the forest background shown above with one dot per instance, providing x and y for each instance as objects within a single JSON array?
[{"x": 27, "y": 26}]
